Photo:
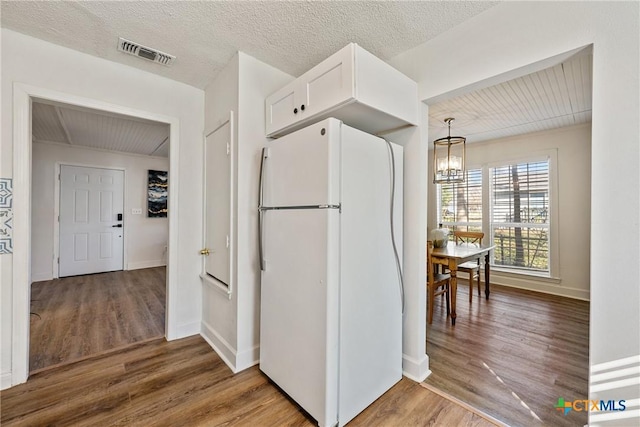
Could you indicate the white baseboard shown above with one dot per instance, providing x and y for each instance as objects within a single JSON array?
[
  {"x": 235, "y": 360},
  {"x": 41, "y": 277},
  {"x": 538, "y": 286},
  {"x": 186, "y": 330},
  {"x": 416, "y": 370},
  {"x": 145, "y": 264},
  {"x": 138, "y": 265},
  {"x": 248, "y": 358},
  {"x": 226, "y": 352},
  {"x": 5, "y": 380}
]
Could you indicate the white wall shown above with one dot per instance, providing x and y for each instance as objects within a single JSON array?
[
  {"x": 573, "y": 224},
  {"x": 512, "y": 35},
  {"x": 232, "y": 325},
  {"x": 219, "y": 312},
  {"x": 145, "y": 238},
  {"x": 257, "y": 80},
  {"x": 104, "y": 83},
  {"x": 415, "y": 363}
]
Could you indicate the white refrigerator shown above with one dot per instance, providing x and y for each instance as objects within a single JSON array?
[{"x": 331, "y": 291}]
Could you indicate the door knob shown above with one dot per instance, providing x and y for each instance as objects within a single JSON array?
[{"x": 204, "y": 251}]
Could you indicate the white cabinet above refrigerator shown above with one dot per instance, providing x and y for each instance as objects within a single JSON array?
[{"x": 352, "y": 85}]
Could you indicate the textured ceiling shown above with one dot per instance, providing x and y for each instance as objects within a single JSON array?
[{"x": 292, "y": 36}]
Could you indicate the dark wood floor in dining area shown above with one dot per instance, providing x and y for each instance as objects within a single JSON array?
[
  {"x": 77, "y": 317},
  {"x": 514, "y": 355}
]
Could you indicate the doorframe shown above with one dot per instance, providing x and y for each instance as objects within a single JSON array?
[
  {"x": 21, "y": 269},
  {"x": 56, "y": 212}
]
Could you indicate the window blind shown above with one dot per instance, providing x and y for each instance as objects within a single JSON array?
[
  {"x": 460, "y": 204},
  {"x": 519, "y": 215}
]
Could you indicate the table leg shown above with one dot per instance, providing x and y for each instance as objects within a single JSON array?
[
  {"x": 486, "y": 275},
  {"x": 453, "y": 283}
]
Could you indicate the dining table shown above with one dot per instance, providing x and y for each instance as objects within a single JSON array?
[{"x": 452, "y": 256}]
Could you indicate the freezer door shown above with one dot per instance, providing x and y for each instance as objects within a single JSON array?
[
  {"x": 303, "y": 168},
  {"x": 299, "y": 308}
]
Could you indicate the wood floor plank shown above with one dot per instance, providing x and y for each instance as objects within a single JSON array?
[
  {"x": 185, "y": 383},
  {"x": 517, "y": 348},
  {"x": 514, "y": 355},
  {"x": 80, "y": 316},
  {"x": 408, "y": 404}
]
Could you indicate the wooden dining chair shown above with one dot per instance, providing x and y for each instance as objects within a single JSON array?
[
  {"x": 471, "y": 267},
  {"x": 437, "y": 284}
]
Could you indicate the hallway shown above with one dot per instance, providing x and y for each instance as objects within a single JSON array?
[{"x": 74, "y": 318}]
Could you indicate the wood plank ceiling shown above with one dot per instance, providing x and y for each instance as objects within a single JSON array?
[
  {"x": 82, "y": 127},
  {"x": 552, "y": 98}
]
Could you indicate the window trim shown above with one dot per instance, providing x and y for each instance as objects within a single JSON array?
[{"x": 554, "y": 254}]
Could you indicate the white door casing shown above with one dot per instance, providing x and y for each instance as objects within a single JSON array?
[
  {"x": 91, "y": 233},
  {"x": 21, "y": 276}
]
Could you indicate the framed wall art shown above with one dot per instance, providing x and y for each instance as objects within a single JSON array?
[{"x": 157, "y": 194}]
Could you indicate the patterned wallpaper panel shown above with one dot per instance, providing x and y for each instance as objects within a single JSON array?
[{"x": 6, "y": 216}]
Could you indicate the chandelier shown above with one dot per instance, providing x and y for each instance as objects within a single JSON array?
[{"x": 449, "y": 158}]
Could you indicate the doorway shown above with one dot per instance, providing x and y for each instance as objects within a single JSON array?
[
  {"x": 479, "y": 360},
  {"x": 80, "y": 310},
  {"x": 23, "y": 97}
]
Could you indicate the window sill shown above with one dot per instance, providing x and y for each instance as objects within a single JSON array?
[{"x": 523, "y": 273}]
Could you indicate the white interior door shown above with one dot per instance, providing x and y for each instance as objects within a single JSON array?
[
  {"x": 91, "y": 227},
  {"x": 218, "y": 203}
]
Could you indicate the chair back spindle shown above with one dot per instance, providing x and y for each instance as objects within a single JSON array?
[{"x": 471, "y": 267}]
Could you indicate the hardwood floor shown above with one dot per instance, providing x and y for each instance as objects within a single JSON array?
[
  {"x": 77, "y": 317},
  {"x": 519, "y": 348},
  {"x": 184, "y": 383}
]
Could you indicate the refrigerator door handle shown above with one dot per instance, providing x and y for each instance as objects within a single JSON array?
[
  {"x": 299, "y": 207},
  {"x": 263, "y": 156},
  {"x": 260, "y": 248}
]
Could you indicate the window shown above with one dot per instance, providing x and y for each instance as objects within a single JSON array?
[
  {"x": 460, "y": 204},
  {"x": 512, "y": 202},
  {"x": 519, "y": 216}
]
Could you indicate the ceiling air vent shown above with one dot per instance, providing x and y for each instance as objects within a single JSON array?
[{"x": 144, "y": 52}]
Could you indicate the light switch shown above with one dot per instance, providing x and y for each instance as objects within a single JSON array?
[{"x": 136, "y": 211}]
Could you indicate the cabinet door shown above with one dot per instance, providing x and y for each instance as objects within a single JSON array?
[
  {"x": 282, "y": 108},
  {"x": 217, "y": 221},
  {"x": 329, "y": 84}
]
